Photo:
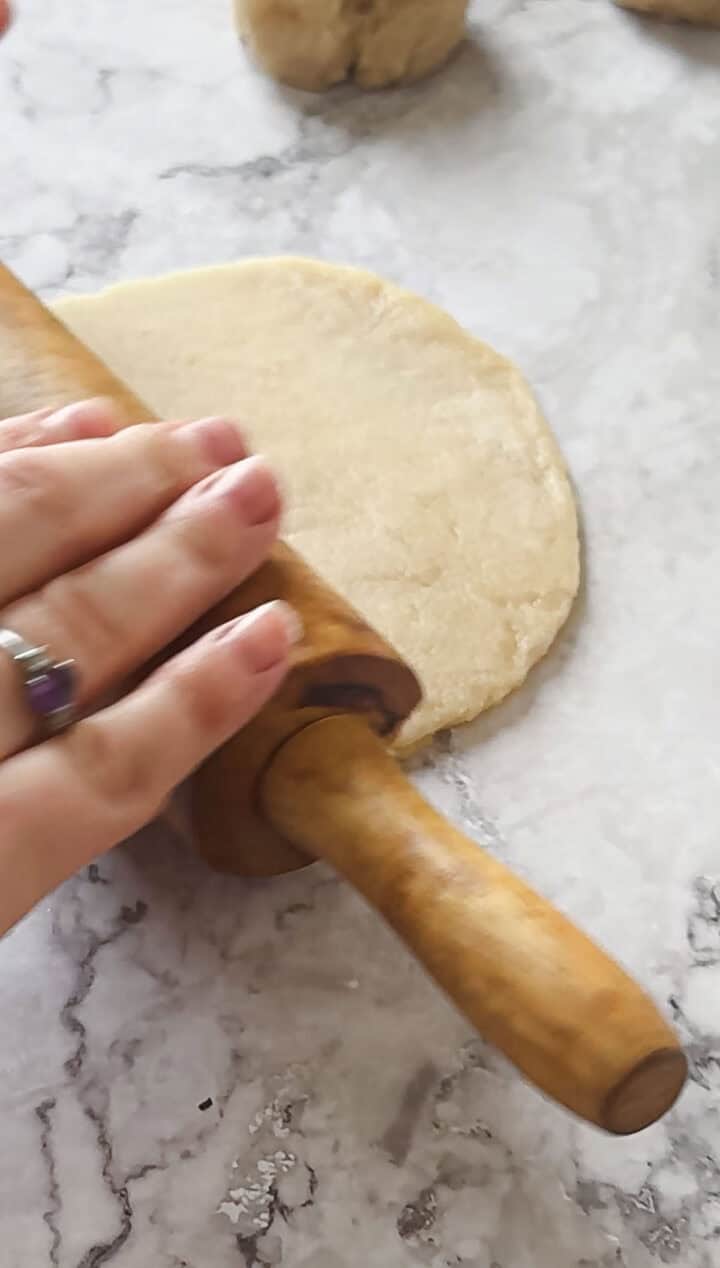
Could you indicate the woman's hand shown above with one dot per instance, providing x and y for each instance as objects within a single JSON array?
[{"x": 114, "y": 542}]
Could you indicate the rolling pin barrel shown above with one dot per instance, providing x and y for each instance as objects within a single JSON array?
[
  {"x": 538, "y": 989},
  {"x": 310, "y": 777}
]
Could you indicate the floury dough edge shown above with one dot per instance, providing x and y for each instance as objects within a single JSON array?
[{"x": 422, "y": 480}]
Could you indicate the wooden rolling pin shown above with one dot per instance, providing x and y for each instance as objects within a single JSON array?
[{"x": 311, "y": 778}]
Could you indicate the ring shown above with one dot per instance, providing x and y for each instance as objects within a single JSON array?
[{"x": 49, "y": 685}]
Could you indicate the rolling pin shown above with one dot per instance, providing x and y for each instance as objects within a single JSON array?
[{"x": 311, "y": 778}]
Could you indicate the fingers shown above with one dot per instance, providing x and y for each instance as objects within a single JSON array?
[
  {"x": 65, "y": 802},
  {"x": 113, "y": 614},
  {"x": 84, "y": 421},
  {"x": 67, "y": 503}
]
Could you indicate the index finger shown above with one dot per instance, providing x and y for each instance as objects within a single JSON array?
[{"x": 64, "y": 504}]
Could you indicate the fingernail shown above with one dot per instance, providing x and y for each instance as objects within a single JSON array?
[
  {"x": 218, "y": 439},
  {"x": 265, "y": 635},
  {"x": 251, "y": 488},
  {"x": 84, "y": 420},
  {"x": 42, "y": 415}
]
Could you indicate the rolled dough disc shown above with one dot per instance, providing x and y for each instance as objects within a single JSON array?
[{"x": 421, "y": 478}]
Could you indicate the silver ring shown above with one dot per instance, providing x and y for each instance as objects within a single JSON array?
[{"x": 48, "y": 685}]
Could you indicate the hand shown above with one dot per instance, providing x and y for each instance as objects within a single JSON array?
[{"x": 114, "y": 542}]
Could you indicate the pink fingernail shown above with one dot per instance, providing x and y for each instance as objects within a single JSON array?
[
  {"x": 251, "y": 489},
  {"x": 265, "y": 635},
  {"x": 84, "y": 420},
  {"x": 41, "y": 415},
  {"x": 218, "y": 438}
]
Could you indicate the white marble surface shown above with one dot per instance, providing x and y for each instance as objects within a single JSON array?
[{"x": 558, "y": 189}]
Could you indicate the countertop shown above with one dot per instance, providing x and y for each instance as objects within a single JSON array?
[{"x": 557, "y": 189}]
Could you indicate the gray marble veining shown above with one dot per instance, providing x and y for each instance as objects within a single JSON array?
[{"x": 558, "y": 189}]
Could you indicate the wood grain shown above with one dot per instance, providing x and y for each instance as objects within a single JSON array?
[
  {"x": 532, "y": 984},
  {"x": 703, "y": 12}
]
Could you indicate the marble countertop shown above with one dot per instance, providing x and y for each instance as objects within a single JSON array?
[{"x": 556, "y": 188}]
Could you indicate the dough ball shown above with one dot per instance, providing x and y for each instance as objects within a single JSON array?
[
  {"x": 421, "y": 478},
  {"x": 314, "y": 44},
  {"x": 707, "y": 11}
]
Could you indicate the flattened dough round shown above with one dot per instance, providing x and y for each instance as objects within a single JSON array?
[{"x": 422, "y": 480}]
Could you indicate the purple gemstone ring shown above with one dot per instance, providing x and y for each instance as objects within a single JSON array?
[{"x": 49, "y": 685}]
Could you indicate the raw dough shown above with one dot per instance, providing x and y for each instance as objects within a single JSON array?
[
  {"x": 707, "y": 11},
  {"x": 316, "y": 43},
  {"x": 421, "y": 478}
]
